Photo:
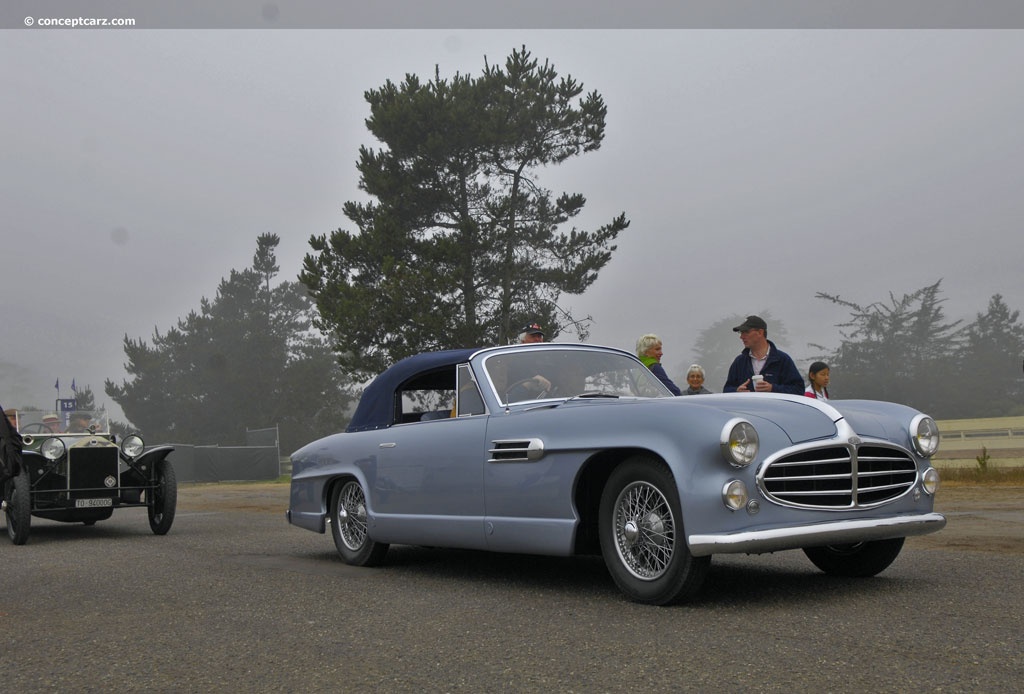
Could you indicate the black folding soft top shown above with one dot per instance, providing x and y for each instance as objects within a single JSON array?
[{"x": 376, "y": 406}]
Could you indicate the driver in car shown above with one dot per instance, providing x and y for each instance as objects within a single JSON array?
[{"x": 79, "y": 423}]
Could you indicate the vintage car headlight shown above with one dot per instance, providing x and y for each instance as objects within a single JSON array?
[
  {"x": 735, "y": 495},
  {"x": 924, "y": 434},
  {"x": 739, "y": 442},
  {"x": 52, "y": 449},
  {"x": 930, "y": 481},
  {"x": 132, "y": 446}
]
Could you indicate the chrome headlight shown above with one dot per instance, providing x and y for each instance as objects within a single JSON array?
[
  {"x": 924, "y": 435},
  {"x": 930, "y": 481},
  {"x": 52, "y": 449},
  {"x": 739, "y": 442},
  {"x": 132, "y": 446}
]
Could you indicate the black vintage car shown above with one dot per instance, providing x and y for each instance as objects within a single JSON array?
[{"x": 76, "y": 471}]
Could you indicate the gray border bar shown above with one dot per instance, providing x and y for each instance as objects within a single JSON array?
[{"x": 519, "y": 14}]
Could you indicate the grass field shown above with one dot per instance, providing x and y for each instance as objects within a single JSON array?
[{"x": 952, "y": 476}]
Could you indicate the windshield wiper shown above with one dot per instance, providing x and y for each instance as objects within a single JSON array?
[{"x": 593, "y": 394}]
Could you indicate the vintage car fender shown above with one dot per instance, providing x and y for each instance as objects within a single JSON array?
[
  {"x": 316, "y": 467},
  {"x": 151, "y": 456}
]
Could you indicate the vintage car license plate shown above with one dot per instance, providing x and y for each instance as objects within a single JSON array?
[{"x": 93, "y": 503}]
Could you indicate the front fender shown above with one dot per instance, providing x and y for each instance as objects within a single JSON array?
[{"x": 147, "y": 462}]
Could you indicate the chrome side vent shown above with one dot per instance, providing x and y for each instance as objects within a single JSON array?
[{"x": 516, "y": 451}]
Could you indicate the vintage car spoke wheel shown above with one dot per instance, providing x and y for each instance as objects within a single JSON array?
[
  {"x": 642, "y": 537},
  {"x": 349, "y": 526},
  {"x": 859, "y": 560},
  {"x": 19, "y": 508},
  {"x": 162, "y": 500}
]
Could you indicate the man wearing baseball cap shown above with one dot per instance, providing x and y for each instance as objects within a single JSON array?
[
  {"x": 761, "y": 366},
  {"x": 531, "y": 332}
]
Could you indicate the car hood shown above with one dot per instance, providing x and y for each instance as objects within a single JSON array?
[
  {"x": 801, "y": 419},
  {"x": 885, "y": 420}
]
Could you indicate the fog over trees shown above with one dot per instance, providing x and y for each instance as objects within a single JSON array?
[{"x": 247, "y": 359}]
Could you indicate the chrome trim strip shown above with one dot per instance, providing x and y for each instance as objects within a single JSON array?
[{"x": 830, "y": 533}]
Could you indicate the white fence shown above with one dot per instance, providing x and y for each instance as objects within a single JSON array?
[{"x": 1002, "y": 438}]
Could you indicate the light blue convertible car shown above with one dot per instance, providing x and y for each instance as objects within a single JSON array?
[{"x": 565, "y": 449}]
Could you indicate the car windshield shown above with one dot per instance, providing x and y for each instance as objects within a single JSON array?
[
  {"x": 43, "y": 423},
  {"x": 539, "y": 372}
]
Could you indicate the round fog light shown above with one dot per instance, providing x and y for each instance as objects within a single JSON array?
[
  {"x": 734, "y": 494},
  {"x": 930, "y": 481}
]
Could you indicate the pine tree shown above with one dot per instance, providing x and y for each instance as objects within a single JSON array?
[
  {"x": 247, "y": 359},
  {"x": 461, "y": 244}
]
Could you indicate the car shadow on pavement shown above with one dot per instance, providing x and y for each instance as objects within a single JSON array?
[{"x": 732, "y": 580}]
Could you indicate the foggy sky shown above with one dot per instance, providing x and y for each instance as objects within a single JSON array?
[{"x": 757, "y": 168}]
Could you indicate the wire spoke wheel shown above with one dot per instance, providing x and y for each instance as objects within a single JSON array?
[
  {"x": 350, "y": 526},
  {"x": 640, "y": 528},
  {"x": 352, "y": 516},
  {"x": 645, "y": 530}
]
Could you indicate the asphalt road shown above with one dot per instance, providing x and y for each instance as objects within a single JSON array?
[{"x": 235, "y": 599}]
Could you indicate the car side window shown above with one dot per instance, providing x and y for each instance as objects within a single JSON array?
[
  {"x": 468, "y": 400},
  {"x": 425, "y": 397}
]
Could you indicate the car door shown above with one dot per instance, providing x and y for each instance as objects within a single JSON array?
[
  {"x": 429, "y": 484},
  {"x": 528, "y": 484}
]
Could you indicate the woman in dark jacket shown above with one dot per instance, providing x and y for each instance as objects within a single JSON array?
[{"x": 648, "y": 348}]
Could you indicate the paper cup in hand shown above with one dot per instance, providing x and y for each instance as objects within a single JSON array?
[{"x": 754, "y": 380}]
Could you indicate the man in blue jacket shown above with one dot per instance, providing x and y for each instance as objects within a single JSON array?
[{"x": 760, "y": 357}]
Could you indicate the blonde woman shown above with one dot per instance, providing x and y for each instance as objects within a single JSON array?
[{"x": 648, "y": 348}]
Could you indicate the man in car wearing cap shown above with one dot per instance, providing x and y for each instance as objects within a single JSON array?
[
  {"x": 531, "y": 333},
  {"x": 760, "y": 357}
]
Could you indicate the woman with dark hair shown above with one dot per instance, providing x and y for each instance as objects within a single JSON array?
[{"x": 818, "y": 377}]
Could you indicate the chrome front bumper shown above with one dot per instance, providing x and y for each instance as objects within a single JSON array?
[{"x": 831, "y": 533}]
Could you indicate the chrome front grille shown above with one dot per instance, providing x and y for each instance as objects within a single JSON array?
[{"x": 839, "y": 477}]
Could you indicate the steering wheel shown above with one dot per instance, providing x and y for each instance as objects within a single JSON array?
[
  {"x": 522, "y": 384},
  {"x": 37, "y": 428}
]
